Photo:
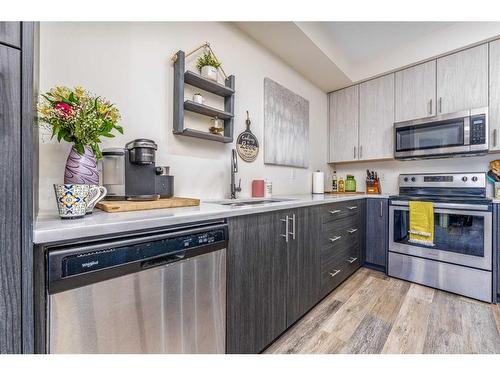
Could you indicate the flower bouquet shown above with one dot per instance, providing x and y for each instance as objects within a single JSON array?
[{"x": 81, "y": 118}]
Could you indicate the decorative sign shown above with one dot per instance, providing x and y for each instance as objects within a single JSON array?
[{"x": 247, "y": 144}]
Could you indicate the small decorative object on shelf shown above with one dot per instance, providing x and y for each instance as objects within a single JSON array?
[
  {"x": 247, "y": 144},
  {"x": 208, "y": 65},
  {"x": 217, "y": 127},
  {"x": 81, "y": 118},
  {"x": 226, "y": 90},
  {"x": 198, "y": 98}
]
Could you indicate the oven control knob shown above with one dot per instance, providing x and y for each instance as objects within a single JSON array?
[
  {"x": 413, "y": 179},
  {"x": 406, "y": 179},
  {"x": 464, "y": 178},
  {"x": 474, "y": 178}
]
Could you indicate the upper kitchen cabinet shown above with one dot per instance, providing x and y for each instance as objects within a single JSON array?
[
  {"x": 10, "y": 33},
  {"x": 462, "y": 80},
  {"x": 376, "y": 118},
  {"x": 344, "y": 124},
  {"x": 494, "y": 107},
  {"x": 416, "y": 92}
]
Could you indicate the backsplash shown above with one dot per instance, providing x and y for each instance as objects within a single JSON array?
[
  {"x": 129, "y": 63},
  {"x": 390, "y": 170}
]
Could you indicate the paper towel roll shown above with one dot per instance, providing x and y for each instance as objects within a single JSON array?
[{"x": 318, "y": 182}]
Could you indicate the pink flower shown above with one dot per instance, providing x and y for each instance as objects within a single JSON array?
[{"x": 64, "y": 108}]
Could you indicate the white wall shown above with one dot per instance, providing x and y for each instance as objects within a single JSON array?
[
  {"x": 390, "y": 170},
  {"x": 129, "y": 63}
]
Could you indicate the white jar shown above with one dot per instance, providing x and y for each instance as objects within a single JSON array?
[
  {"x": 198, "y": 98},
  {"x": 268, "y": 189},
  {"x": 210, "y": 72}
]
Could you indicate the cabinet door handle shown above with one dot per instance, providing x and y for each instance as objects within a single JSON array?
[
  {"x": 286, "y": 228},
  {"x": 381, "y": 209},
  {"x": 352, "y": 207},
  {"x": 334, "y": 212},
  {"x": 351, "y": 231},
  {"x": 361, "y": 152},
  {"x": 293, "y": 226},
  {"x": 336, "y": 238},
  {"x": 354, "y": 157},
  {"x": 430, "y": 107},
  {"x": 352, "y": 260},
  {"x": 440, "y": 104},
  {"x": 494, "y": 138},
  {"x": 333, "y": 274}
]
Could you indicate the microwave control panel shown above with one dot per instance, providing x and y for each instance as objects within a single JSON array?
[{"x": 478, "y": 129}]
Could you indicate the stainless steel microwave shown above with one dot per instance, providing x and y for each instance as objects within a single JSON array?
[{"x": 455, "y": 134}]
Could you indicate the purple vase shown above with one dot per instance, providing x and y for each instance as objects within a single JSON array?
[{"x": 81, "y": 169}]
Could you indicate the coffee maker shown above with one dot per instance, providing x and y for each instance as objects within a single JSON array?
[{"x": 130, "y": 173}]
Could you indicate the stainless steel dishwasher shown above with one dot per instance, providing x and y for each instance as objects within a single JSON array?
[{"x": 159, "y": 293}]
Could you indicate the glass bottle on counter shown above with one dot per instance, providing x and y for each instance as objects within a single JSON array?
[
  {"x": 340, "y": 185},
  {"x": 350, "y": 184},
  {"x": 334, "y": 182}
]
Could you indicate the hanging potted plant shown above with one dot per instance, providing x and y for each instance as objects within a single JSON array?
[
  {"x": 208, "y": 65},
  {"x": 81, "y": 118}
]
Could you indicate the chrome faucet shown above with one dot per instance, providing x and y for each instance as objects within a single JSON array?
[{"x": 234, "y": 169}]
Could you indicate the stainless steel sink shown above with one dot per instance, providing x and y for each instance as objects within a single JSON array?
[{"x": 249, "y": 202}]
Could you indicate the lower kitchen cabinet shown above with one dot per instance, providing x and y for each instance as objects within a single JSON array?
[
  {"x": 272, "y": 275},
  {"x": 256, "y": 282},
  {"x": 342, "y": 238},
  {"x": 303, "y": 263},
  {"x": 377, "y": 227}
]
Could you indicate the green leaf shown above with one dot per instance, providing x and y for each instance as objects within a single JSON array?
[
  {"x": 109, "y": 135},
  {"x": 119, "y": 128},
  {"x": 62, "y": 133},
  {"x": 79, "y": 148}
]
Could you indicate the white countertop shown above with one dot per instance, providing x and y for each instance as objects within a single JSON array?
[{"x": 50, "y": 228}]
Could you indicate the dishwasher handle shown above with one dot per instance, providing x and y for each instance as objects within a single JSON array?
[{"x": 163, "y": 260}]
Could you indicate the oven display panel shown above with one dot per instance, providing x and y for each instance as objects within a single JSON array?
[{"x": 438, "y": 178}]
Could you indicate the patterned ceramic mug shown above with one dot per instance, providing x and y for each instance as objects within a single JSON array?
[
  {"x": 100, "y": 193},
  {"x": 73, "y": 199}
]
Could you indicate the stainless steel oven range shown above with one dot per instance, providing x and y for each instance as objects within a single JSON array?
[{"x": 461, "y": 259}]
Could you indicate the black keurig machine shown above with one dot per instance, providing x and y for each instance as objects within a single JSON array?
[{"x": 130, "y": 173}]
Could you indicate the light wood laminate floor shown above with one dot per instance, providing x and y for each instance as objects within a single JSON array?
[{"x": 373, "y": 313}]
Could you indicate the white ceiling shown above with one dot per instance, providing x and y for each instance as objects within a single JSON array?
[
  {"x": 340, "y": 53},
  {"x": 365, "y": 41}
]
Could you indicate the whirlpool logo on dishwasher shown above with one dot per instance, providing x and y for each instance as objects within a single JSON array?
[{"x": 90, "y": 264}]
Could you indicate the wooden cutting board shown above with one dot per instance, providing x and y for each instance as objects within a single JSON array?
[{"x": 123, "y": 206}]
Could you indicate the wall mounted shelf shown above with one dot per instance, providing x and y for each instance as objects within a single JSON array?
[{"x": 181, "y": 78}]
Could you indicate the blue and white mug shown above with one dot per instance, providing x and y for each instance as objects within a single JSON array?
[{"x": 74, "y": 199}]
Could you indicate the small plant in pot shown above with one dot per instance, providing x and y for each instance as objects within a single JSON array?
[
  {"x": 82, "y": 118},
  {"x": 208, "y": 66}
]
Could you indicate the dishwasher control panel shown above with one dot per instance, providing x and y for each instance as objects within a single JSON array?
[{"x": 172, "y": 247}]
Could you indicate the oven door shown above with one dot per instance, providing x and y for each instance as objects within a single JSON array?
[
  {"x": 462, "y": 235},
  {"x": 440, "y": 135}
]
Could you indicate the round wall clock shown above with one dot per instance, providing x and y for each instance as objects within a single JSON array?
[{"x": 247, "y": 144}]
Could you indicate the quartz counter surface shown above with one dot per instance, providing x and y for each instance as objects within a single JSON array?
[{"x": 49, "y": 228}]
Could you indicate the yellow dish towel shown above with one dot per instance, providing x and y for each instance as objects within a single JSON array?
[{"x": 422, "y": 223}]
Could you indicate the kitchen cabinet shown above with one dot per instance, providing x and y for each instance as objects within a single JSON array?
[
  {"x": 462, "y": 80},
  {"x": 494, "y": 100},
  {"x": 377, "y": 227},
  {"x": 415, "y": 92},
  {"x": 343, "y": 124},
  {"x": 303, "y": 262},
  {"x": 272, "y": 275},
  {"x": 342, "y": 233},
  {"x": 10, "y": 204},
  {"x": 256, "y": 282},
  {"x": 376, "y": 118},
  {"x": 10, "y": 33}
]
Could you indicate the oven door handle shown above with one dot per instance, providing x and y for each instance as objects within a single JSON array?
[{"x": 448, "y": 206}]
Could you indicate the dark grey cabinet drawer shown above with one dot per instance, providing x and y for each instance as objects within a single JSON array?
[
  {"x": 336, "y": 211},
  {"x": 339, "y": 233},
  {"x": 377, "y": 228},
  {"x": 335, "y": 269},
  {"x": 10, "y": 33}
]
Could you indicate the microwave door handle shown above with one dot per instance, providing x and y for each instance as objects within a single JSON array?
[{"x": 466, "y": 131}]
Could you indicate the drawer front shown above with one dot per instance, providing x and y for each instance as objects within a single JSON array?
[
  {"x": 339, "y": 234},
  {"x": 336, "y": 211},
  {"x": 335, "y": 269}
]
